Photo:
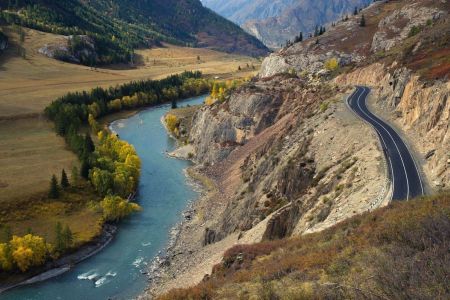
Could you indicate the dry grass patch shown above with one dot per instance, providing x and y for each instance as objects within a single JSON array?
[
  {"x": 30, "y": 152},
  {"x": 397, "y": 251}
]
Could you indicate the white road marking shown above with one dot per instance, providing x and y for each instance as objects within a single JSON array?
[{"x": 396, "y": 146}]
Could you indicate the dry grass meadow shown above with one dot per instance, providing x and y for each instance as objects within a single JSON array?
[{"x": 30, "y": 151}]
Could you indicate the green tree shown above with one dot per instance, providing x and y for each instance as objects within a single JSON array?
[
  {"x": 89, "y": 146},
  {"x": 59, "y": 239},
  {"x": 67, "y": 236},
  {"x": 85, "y": 167},
  {"x": 64, "y": 180},
  {"x": 6, "y": 234},
  {"x": 54, "y": 189},
  {"x": 362, "y": 22},
  {"x": 75, "y": 175},
  {"x": 355, "y": 12}
]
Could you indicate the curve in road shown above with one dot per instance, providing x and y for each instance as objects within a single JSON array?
[{"x": 403, "y": 172}]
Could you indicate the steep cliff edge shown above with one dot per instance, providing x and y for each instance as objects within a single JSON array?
[{"x": 286, "y": 155}]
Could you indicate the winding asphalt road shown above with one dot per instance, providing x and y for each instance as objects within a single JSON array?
[{"x": 403, "y": 172}]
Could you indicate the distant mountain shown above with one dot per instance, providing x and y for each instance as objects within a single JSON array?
[
  {"x": 118, "y": 26},
  {"x": 275, "y": 21},
  {"x": 241, "y": 11}
]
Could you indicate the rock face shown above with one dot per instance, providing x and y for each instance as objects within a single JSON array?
[
  {"x": 398, "y": 25},
  {"x": 265, "y": 149},
  {"x": 216, "y": 132},
  {"x": 74, "y": 49}
]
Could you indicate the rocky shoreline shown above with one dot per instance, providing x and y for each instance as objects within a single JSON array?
[{"x": 60, "y": 266}]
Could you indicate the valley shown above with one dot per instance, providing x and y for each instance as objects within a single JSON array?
[
  {"x": 31, "y": 151},
  {"x": 204, "y": 167}
]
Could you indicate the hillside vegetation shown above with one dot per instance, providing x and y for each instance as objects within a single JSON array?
[
  {"x": 397, "y": 252},
  {"x": 116, "y": 28}
]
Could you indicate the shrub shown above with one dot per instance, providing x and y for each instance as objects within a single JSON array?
[
  {"x": 172, "y": 122},
  {"x": 414, "y": 31},
  {"x": 332, "y": 64}
]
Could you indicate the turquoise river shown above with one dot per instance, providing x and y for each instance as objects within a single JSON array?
[{"x": 116, "y": 272}]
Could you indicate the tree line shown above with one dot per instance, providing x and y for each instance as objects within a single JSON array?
[{"x": 113, "y": 166}]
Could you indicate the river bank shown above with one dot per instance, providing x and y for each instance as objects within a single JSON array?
[
  {"x": 120, "y": 270},
  {"x": 64, "y": 264}
]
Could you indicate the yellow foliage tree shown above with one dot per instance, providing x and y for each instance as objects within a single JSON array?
[
  {"x": 332, "y": 64},
  {"x": 171, "y": 122},
  {"x": 116, "y": 208},
  {"x": 23, "y": 257},
  {"x": 28, "y": 251}
]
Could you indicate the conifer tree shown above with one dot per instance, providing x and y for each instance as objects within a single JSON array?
[
  {"x": 355, "y": 12},
  {"x": 6, "y": 234},
  {"x": 84, "y": 172},
  {"x": 59, "y": 239},
  {"x": 64, "y": 180},
  {"x": 362, "y": 23},
  {"x": 89, "y": 146},
  {"x": 54, "y": 189},
  {"x": 67, "y": 237},
  {"x": 75, "y": 176}
]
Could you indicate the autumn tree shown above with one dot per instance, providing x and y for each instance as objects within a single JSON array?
[
  {"x": 54, "y": 189},
  {"x": 28, "y": 251},
  {"x": 116, "y": 208}
]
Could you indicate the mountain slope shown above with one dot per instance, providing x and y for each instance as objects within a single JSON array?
[
  {"x": 274, "y": 22},
  {"x": 398, "y": 252},
  {"x": 117, "y": 27},
  {"x": 289, "y": 158},
  {"x": 241, "y": 11}
]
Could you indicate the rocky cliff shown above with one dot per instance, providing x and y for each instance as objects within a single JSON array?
[{"x": 285, "y": 154}]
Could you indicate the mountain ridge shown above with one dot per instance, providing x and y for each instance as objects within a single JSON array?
[
  {"x": 275, "y": 22},
  {"x": 118, "y": 27}
]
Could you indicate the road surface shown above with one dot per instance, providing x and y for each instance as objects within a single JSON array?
[{"x": 403, "y": 172}]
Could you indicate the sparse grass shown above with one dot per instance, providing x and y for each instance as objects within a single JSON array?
[
  {"x": 399, "y": 250},
  {"x": 30, "y": 152},
  {"x": 42, "y": 80}
]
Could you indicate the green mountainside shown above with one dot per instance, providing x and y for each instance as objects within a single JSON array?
[{"x": 119, "y": 26}]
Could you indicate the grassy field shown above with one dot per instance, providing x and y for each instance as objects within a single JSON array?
[
  {"x": 28, "y": 85},
  {"x": 30, "y": 151}
]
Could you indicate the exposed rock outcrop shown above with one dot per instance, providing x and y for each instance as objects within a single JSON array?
[
  {"x": 398, "y": 25},
  {"x": 74, "y": 49}
]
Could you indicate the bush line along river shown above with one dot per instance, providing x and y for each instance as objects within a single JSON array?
[{"x": 116, "y": 272}]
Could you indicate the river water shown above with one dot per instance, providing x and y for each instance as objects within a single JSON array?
[{"x": 116, "y": 272}]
